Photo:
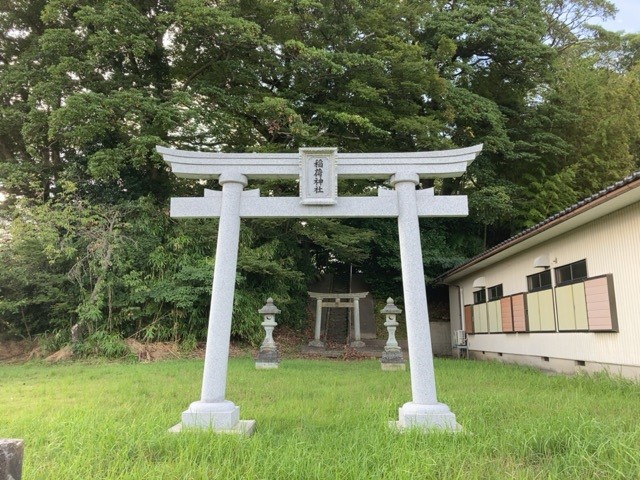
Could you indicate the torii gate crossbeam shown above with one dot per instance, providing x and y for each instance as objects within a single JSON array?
[{"x": 318, "y": 170}]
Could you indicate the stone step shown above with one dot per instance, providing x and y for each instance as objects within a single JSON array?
[
  {"x": 337, "y": 328},
  {"x": 337, "y": 325},
  {"x": 335, "y": 331}
]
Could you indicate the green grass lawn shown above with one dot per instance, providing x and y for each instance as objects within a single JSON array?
[{"x": 318, "y": 419}]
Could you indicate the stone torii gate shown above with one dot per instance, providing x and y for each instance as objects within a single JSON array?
[
  {"x": 337, "y": 300},
  {"x": 318, "y": 170}
]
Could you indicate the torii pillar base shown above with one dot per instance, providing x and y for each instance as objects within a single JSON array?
[
  {"x": 220, "y": 417},
  {"x": 428, "y": 418}
]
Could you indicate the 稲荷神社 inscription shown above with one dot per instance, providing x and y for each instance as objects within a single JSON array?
[{"x": 318, "y": 170}]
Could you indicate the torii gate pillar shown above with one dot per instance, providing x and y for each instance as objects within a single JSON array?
[
  {"x": 424, "y": 409},
  {"x": 212, "y": 410},
  {"x": 318, "y": 172}
]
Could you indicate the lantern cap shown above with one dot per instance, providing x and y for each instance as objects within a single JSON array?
[
  {"x": 390, "y": 308},
  {"x": 269, "y": 308}
]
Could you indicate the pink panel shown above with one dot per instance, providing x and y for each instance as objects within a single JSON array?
[
  {"x": 468, "y": 318},
  {"x": 519, "y": 317},
  {"x": 598, "y": 304},
  {"x": 507, "y": 317}
]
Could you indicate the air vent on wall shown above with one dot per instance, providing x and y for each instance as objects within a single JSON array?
[{"x": 541, "y": 262}]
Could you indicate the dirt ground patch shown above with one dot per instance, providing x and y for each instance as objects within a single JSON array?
[
  {"x": 151, "y": 352},
  {"x": 65, "y": 353},
  {"x": 16, "y": 351},
  {"x": 19, "y": 351}
]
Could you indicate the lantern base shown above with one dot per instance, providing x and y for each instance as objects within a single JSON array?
[
  {"x": 266, "y": 365},
  {"x": 392, "y": 367},
  {"x": 268, "y": 355}
]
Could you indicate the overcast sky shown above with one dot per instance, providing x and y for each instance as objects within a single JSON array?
[{"x": 628, "y": 17}]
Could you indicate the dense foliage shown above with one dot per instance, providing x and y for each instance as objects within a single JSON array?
[{"x": 88, "y": 88}]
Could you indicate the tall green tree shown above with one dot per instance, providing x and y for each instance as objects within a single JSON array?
[{"x": 89, "y": 87}]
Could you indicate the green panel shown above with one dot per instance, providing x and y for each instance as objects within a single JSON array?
[
  {"x": 476, "y": 320},
  {"x": 566, "y": 313},
  {"x": 480, "y": 318},
  {"x": 547, "y": 317},
  {"x": 484, "y": 318},
  {"x": 580, "y": 306},
  {"x": 533, "y": 307},
  {"x": 495, "y": 316}
]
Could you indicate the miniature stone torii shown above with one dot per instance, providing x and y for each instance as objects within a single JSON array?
[
  {"x": 339, "y": 300},
  {"x": 318, "y": 170}
]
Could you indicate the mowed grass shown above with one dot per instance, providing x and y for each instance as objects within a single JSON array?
[{"x": 318, "y": 420}]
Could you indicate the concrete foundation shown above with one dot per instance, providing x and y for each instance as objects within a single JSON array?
[{"x": 559, "y": 365}]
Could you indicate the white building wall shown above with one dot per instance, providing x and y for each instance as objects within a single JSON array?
[{"x": 610, "y": 244}]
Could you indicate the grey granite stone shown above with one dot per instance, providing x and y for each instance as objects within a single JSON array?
[
  {"x": 404, "y": 171},
  {"x": 11, "y": 453}
]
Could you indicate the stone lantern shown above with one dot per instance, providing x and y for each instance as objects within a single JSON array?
[
  {"x": 268, "y": 355},
  {"x": 392, "y": 357}
]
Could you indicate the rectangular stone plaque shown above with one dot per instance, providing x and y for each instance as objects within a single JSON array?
[{"x": 318, "y": 176}]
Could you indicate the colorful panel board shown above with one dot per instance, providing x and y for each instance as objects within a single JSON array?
[
  {"x": 495, "y": 317},
  {"x": 468, "y": 319},
  {"x": 519, "y": 313},
  {"x": 601, "y": 306},
  {"x": 507, "y": 314},
  {"x": 480, "y": 320}
]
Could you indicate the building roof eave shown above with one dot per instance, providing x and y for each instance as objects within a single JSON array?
[{"x": 612, "y": 198}]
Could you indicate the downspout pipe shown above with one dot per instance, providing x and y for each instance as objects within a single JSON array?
[{"x": 461, "y": 305}]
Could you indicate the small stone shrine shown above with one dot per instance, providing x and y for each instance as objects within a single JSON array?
[{"x": 318, "y": 170}]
